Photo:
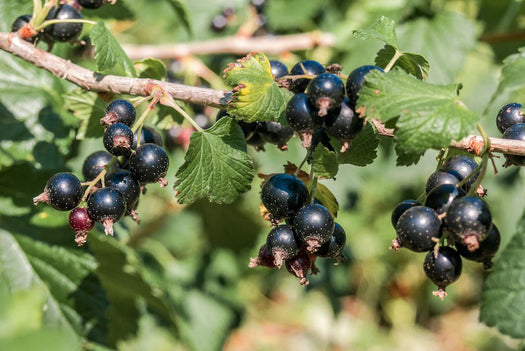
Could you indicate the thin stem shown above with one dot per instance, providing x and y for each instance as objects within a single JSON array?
[
  {"x": 140, "y": 100},
  {"x": 308, "y": 153},
  {"x": 37, "y": 7},
  {"x": 477, "y": 183},
  {"x": 144, "y": 115},
  {"x": 313, "y": 189},
  {"x": 393, "y": 61},
  {"x": 486, "y": 139},
  {"x": 55, "y": 21},
  {"x": 168, "y": 101}
]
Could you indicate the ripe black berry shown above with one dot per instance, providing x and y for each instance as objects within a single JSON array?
[
  {"x": 81, "y": 224},
  {"x": 123, "y": 181},
  {"x": 278, "y": 69},
  {"x": 440, "y": 198},
  {"x": 335, "y": 245},
  {"x": 264, "y": 258},
  {"x": 256, "y": 140},
  {"x": 302, "y": 118},
  {"x": 283, "y": 195},
  {"x": 439, "y": 178},
  {"x": 306, "y": 67},
  {"x": 444, "y": 269},
  {"x": 118, "y": 139},
  {"x": 281, "y": 242},
  {"x": 218, "y": 23},
  {"x": 275, "y": 133},
  {"x": 468, "y": 220},
  {"x": 148, "y": 135},
  {"x": 355, "y": 81},
  {"x": 486, "y": 251},
  {"x": 416, "y": 229},
  {"x": 107, "y": 206},
  {"x": 515, "y": 132},
  {"x": 462, "y": 167},
  {"x": 401, "y": 208},
  {"x": 119, "y": 111},
  {"x": 91, "y": 4},
  {"x": 96, "y": 163},
  {"x": 149, "y": 164},
  {"x": 63, "y": 192},
  {"x": 325, "y": 92},
  {"x": 314, "y": 225},
  {"x": 63, "y": 31},
  {"x": 344, "y": 124},
  {"x": 19, "y": 23},
  {"x": 299, "y": 265},
  {"x": 509, "y": 115}
]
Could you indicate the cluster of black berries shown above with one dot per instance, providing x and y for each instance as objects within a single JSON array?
[
  {"x": 511, "y": 122},
  {"x": 309, "y": 232},
  {"x": 114, "y": 185},
  {"x": 448, "y": 213},
  {"x": 62, "y": 32}
]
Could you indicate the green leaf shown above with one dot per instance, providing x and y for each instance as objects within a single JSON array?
[
  {"x": 413, "y": 64},
  {"x": 121, "y": 274},
  {"x": 430, "y": 116},
  {"x": 291, "y": 14},
  {"x": 443, "y": 40},
  {"x": 503, "y": 295},
  {"x": 151, "y": 68},
  {"x": 511, "y": 86},
  {"x": 89, "y": 108},
  {"x": 181, "y": 8},
  {"x": 384, "y": 30},
  {"x": 256, "y": 97},
  {"x": 108, "y": 51},
  {"x": 324, "y": 162},
  {"x": 363, "y": 148},
  {"x": 216, "y": 165}
]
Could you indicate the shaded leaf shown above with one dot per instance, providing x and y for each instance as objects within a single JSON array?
[
  {"x": 151, "y": 68},
  {"x": 181, "y": 8},
  {"x": 363, "y": 148},
  {"x": 324, "y": 162},
  {"x": 89, "y": 108},
  {"x": 413, "y": 64}
]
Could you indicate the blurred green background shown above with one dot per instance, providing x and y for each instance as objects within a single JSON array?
[{"x": 180, "y": 279}]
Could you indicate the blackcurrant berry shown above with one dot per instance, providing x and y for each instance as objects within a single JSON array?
[
  {"x": 509, "y": 115},
  {"x": 401, "y": 208},
  {"x": 91, "y": 4},
  {"x": 256, "y": 140},
  {"x": 335, "y": 245},
  {"x": 123, "y": 181},
  {"x": 248, "y": 128},
  {"x": 107, "y": 206},
  {"x": 355, "y": 80},
  {"x": 440, "y": 198},
  {"x": 314, "y": 225},
  {"x": 468, "y": 220},
  {"x": 19, "y": 23},
  {"x": 416, "y": 229},
  {"x": 302, "y": 118},
  {"x": 299, "y": 265},
  {"x": 118, "y": 139},
  {"x": 81, "y": 224},
  {"x": 320, "y": 136},
  {"x": 148, "y": 135},
  {"x": 325, "y": 92},
  {"x": 149, "y": 164},
  {"x": 444, "y": 269},
  {"x": 439, "y": 178},
  {"x": 275, "y": 133},
  {"x": 283, "y": 195},
  {"x": 515, "y": 132},
  {"x": 96, "y": 163},
  {"x": 462, "y": 167},
  {"x": 278, "y": 69},
  {"x": 486, "y": 251},
  {"x": 281, "y": 242},
  {"x": 306, "y": 67},
  {"x": 218, "y": 23},
  {"x": 119, "y": 111},
  {"x": 63, "y": 191},
  {"x": 344, "y": 124},
  {"x": 63, "y": 31},
  {"x": 264, "y": 258}
]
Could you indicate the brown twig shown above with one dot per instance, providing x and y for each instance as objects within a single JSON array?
[
  {"x": 471, "y": 143},
  {"x": 89, "y": 80},
  {"x": 93, "y": 81},
  {"x": 236, "y": 45}
]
